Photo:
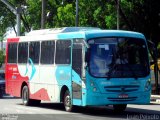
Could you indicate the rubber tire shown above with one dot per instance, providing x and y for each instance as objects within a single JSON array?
[
  {"x": 25, "y": 96},
  {"x": 67, "y": 102},
  {"x": 1, "y": 94},
  {"x": 26, "y": 100},
  {"x": 119, "y": 108}
]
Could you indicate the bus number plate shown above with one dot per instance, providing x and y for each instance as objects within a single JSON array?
[{"x": 123, "y": 96}]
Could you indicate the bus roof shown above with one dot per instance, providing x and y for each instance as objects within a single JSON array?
[
  {"x": 96, "y": 33},
  {"x": 77, "y": 32},
  {"x": 113, "y": 33},
  {"x": 60, "y": 30}
]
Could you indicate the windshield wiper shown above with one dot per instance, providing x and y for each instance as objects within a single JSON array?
[
  {"x": 111, "y": 69},
  {"x": 112, "y": 65}
]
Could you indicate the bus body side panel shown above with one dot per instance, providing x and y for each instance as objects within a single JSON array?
[
  {"x": 36, "y": 89},
  {"x": 51, "y": 80},
  {"x": 48, "y": 82},
  {"x": 13, "y": 78},
  {"x": 63, "y": 78}
]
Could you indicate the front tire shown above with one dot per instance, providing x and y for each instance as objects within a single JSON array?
[
  {"x": 119, "y": 108},
  {"x": 67, "y": 102},
  {"x": 1, "y": 94}
]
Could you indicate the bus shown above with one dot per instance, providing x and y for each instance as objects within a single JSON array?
[{"x": 79, "y": 66}]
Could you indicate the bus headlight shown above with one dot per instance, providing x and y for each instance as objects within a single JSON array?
[
  {"x": 148, "y": 85},
  {"x": 94, "y": 89},
  {"x": 92, "y": 83},
  {"x": 93, "y": 86}
]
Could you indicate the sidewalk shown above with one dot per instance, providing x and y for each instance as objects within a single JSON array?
[{"x": 155, "y": 99}]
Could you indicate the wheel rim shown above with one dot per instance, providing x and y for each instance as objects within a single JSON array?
[{"x": 67, "y": 102}]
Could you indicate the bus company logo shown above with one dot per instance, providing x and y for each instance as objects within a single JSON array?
[
  {"x": 122, "y": 89},
  {"x": 14, "y": 69}
]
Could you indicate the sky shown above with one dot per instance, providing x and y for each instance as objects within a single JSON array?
[{"x": 10, "y": 33}]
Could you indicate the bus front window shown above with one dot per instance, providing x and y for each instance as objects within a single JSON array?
[{"x": 118, "y": 57}]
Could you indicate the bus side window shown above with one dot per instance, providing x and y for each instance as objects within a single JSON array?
[
  {"x": 34, "y": 49},
  {"x": 63, "y": 52},
  {"x": 22, "y": 52},
  {"x": 47, "y": 52},
  {"x": 12, "y": 53}
]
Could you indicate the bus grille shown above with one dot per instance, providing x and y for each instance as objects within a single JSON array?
[
  {"x": 121, "y": 88},
  {"x": 121, "y": 99}
]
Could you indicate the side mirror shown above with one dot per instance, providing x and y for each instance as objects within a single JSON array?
[{"x": 152, "y": 62}]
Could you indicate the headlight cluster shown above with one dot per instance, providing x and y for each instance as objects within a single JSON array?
[{"x": 93, "y": 86}]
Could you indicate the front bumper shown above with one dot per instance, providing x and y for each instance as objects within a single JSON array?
[{"x": 110, "y": 99}]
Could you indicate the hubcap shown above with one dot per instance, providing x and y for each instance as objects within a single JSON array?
[{"x": 67, "y": 102}]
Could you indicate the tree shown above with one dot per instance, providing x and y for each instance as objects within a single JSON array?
[
  {"x": 6, "y": 19},
  {"x": 65, "y": 16},
  {"x": 143, "y": 16},
  {"x": 2, "y": 57},
  {"x": 137, "y": 15}
]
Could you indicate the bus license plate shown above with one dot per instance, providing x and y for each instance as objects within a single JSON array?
[{"x": 123, "y": 96}]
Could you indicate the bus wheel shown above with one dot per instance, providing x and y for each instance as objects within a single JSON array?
[
  {"x": 25, "y": 96},
  {"x": 67, "y": 102},
  {"x": 120, "y": 107},
  {"x": 1, "y": 94}
]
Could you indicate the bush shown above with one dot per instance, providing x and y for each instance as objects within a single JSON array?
[{"x": 2, "y": 57}]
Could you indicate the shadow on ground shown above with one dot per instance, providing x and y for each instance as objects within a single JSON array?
[
  {"x": 107, "y": 111},
  {"x": 104, "y": 111}
]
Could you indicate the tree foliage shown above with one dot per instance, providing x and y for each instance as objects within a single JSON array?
[
  {"x": 2, "y": 57},
  {"x": 137, "y": 15},
  {"x": 65, "y": 13},
  {"x": 6, "y": 19}
]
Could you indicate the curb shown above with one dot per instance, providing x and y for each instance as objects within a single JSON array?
[{"x": 155, "y": 98}]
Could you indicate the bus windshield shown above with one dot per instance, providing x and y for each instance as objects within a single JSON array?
[{"x": 118, "y": 57}]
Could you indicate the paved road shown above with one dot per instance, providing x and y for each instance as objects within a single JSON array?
[{"x": 12, "y": 109}]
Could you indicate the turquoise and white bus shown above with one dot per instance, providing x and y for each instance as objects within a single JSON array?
[{"x": 79, "y": 66}]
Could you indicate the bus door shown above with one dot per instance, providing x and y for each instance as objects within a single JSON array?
[{"x": 77, "y": 72}]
